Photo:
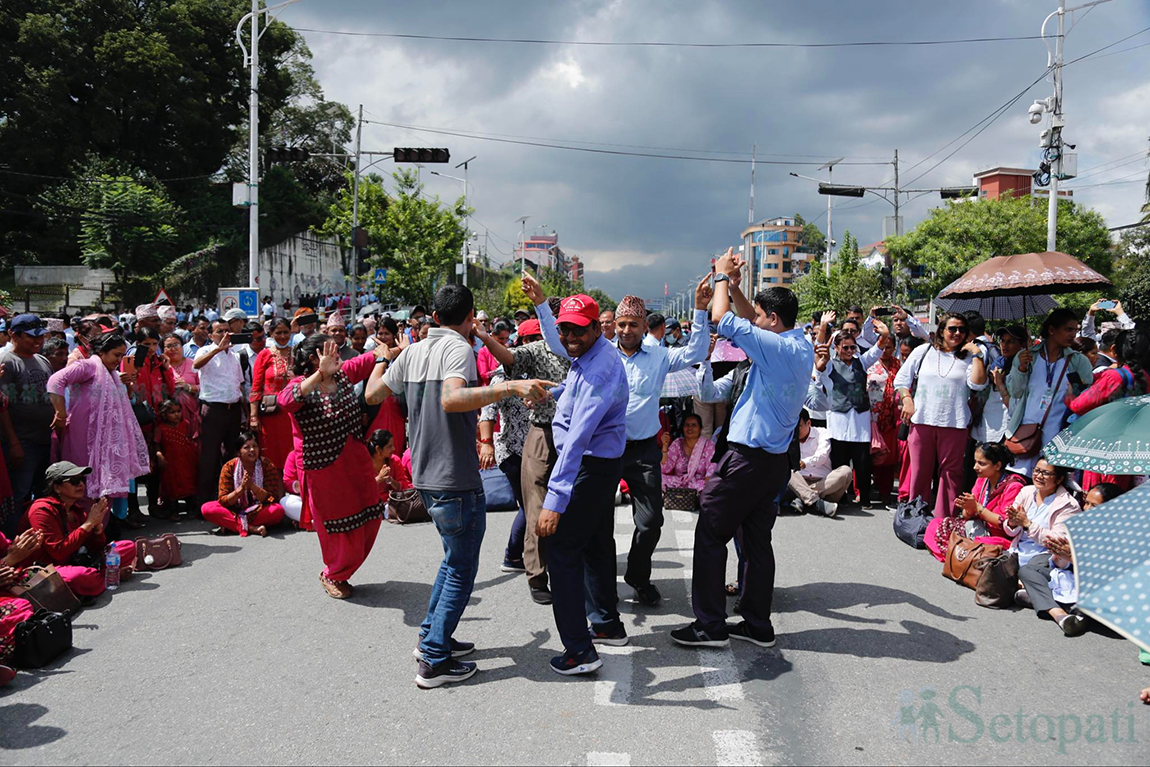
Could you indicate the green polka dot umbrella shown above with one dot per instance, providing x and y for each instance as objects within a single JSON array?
[
  {"x": 1111, "y": 549},
  {"x": 1112, "y": 439}
]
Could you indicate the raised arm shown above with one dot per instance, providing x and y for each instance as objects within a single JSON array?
[
  {"x": 696, "y": 349},
  {"x": 550, "y": 332}
]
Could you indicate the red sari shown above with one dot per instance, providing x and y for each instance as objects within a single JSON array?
[
  {"x": 180, "y": 475},
  {"x": 338, "y": 472},
  {"x": 270, "y": 374},
  {"x": 885, "y": 418}
]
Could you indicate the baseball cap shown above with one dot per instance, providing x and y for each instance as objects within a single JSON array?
[
  {"x": 530, "y": 328},
  {"x": 482, "y": 315},
  {"x": 579, "y": 310},
  {"x": 235, "y": 314},
  {"x": 673, "y": 324},
  {"x": 521, "y": 313},
  {"x": 29, "y": 324},
  {"x": 62, "y": 470},
  {"x": 1016, "y": 331}
]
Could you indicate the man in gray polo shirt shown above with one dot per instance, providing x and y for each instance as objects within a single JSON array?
[{"x": 438, "y": 376}]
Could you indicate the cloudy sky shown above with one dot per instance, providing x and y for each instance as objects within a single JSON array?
[{"x": 640, "y": 222}]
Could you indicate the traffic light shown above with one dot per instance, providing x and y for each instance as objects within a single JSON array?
[
  {"x": 282, "y": 154},
  {"x": 842, "y": 191},
  {"x": 409, "y": 154},
  {"x": 887, "y": 280}
]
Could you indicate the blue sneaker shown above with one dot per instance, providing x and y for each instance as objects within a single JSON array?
[
  {"x": 568, "y": 664},
  {"x": 430, "y": 677}
]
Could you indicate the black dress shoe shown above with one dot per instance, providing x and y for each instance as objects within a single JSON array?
[{"x": 541, "y": 596}]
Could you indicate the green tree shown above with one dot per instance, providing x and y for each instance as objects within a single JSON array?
[
  {"x": 1132, "y": 272},
  {"x": 417, "y": 238},
  {"x": 128, "y": 228},
  {"x": 850, "y": 283},
  {"x": 156, "y": 85},
  {"x": 961, "y": 235},
  {"x": 605, "y": 301},
  {"x": 812, "y": 240}
]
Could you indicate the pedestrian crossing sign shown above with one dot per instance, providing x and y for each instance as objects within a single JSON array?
[{"x": 380, "y": 276}]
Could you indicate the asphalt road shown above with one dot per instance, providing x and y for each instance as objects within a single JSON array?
[{"x": 239, "y": 657}]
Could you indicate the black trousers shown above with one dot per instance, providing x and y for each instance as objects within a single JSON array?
[
  {"x": 857, "y": 456},
  {"x": 581, "y": 556},
  {"x": 743, "y": 492},
  {"x": 644, "y": 476},
  {"x": 219, "y": 430}
]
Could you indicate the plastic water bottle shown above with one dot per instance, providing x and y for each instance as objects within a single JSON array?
[
  {"x": 112, "y": 569},
  {"x": 243, "y": 524}
]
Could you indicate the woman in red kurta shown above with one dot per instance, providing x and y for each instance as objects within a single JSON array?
[
  {"x": 390, "y": 416},
  {"x": 338, "y": 473},
  {"x": 1114, "y": 384},
  {"x": 271, "y": 371},
  {"x": 177, "y": 455}
]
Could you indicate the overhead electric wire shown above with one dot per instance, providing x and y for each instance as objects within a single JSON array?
[
  {"x": 663, "y": 43},
  {"x": 616, "y": 152}
]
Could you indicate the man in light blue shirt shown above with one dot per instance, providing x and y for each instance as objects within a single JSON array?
[
  {"x": 646, "y": 366},
  {"x": 750, "y": 476}
]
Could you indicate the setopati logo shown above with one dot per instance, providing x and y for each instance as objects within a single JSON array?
[{"x": 926, "y": 718}]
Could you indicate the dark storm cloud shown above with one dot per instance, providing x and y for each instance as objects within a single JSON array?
[{"x": 641, "y": 222}]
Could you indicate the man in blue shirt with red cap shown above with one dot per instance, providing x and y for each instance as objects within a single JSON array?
[{"x": 577, "y": 525}]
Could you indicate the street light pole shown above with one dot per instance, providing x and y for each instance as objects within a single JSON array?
[
  {"x": 252, "y": 59},
  {"x": 1056, "y": 122},
  {"x": 522, "y": 247},
  {"x": 830, "y": 169},
  {"x": 355, "y": 200}
]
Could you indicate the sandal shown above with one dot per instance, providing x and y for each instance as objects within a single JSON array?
[
  {"x": 335, "y": 589},
  {"x": 732, "y": 589}
]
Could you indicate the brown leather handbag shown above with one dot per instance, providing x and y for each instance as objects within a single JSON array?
[
  {"x": 158, "y": 553},
  {"x": 405, "y": 507},
  {"x": 46, "y": 590},
  {"x": 985, "y": 568},
  {"x": 1027, "y": 438}
]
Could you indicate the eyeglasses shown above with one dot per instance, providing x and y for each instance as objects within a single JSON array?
[
  {"x": 955, "y": 329},
  {"x": 1043, "y": 473},
  {"x": 567, "y": 329}
]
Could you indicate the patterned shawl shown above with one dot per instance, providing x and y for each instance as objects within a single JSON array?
[{"x": 117, "y": 451}]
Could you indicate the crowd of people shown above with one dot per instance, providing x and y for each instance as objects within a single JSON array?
[{"x": 311, "y": 418}]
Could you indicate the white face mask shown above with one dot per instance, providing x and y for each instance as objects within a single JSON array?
[{"x": 282, "y": 346}]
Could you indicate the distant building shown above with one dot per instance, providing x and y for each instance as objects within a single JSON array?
[
  {"x": 774, "y": 245},
  {"x": 1011, "y": 182},
  {"x": 576, "y": 269},
  {"x": 873, "y": 256},
  {"x": 543, "y": 252}
]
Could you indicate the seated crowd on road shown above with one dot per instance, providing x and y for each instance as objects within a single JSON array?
[{"x": 326, "y": 417}]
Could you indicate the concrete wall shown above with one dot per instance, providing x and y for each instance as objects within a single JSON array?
[
  {"x": 303, "y": 264},
  {"x": 37, "y": 276}
]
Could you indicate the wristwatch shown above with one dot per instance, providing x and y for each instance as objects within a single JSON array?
[{"x": 720, "y": 277}]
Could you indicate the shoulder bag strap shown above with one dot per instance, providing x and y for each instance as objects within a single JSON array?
[{"x": 1050, "y": 406}]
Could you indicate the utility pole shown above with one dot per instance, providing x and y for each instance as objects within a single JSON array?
[
  {"x": 355, "y": 201},
  {"x": 830, "y": 169},
  {"x": 252, "y": 59},
  {"x": 522, "y": 239},
  {"x": 897, "y": 221},
  {"x": 1057, "y": 121}
]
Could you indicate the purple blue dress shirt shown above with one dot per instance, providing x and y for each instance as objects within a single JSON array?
[{"x": 590, "y": 418}]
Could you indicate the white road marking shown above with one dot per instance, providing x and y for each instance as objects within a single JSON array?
[
  {"x": 613, "y": 685},
  {"x": 720, "y": 674},
  {"x": 735, "y": 748},
  {"x": 608, "y": 759}
]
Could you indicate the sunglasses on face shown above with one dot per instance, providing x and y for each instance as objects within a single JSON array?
[
  {"x": 75, "y": 481},
  {"x": 573, "y": 330},
  {"x": 955, "y": 329}
]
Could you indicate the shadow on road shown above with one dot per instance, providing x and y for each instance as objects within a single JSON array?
[
  {"x": 828, "y": 600},
  {"x": 917, "y": 643},
  {"x": 191, "y": 552},
  {"x": 20, "y": 732}
]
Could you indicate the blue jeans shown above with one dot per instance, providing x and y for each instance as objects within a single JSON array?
[{"x": 461, "y": 519}]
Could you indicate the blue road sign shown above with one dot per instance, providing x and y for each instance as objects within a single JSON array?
[
  {"x": 380, "y": 276},
  {"x": 249, "y": 302}
]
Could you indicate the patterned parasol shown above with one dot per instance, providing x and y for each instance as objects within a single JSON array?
[
  {"x": 1112, "y": 439},
  {"x": 999, "y": 307},
  {"x": 1026, "y": 274},
  {"x": 681, "y": 383},
  {"x": 1111, "y": 549}
]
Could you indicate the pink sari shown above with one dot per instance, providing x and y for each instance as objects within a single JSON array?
[{"x": 117, "y": 451}]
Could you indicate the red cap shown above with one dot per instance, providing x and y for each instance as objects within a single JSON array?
[
  {"x": 529, "y": 328},
  {"x": 579, "y": 310}
]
